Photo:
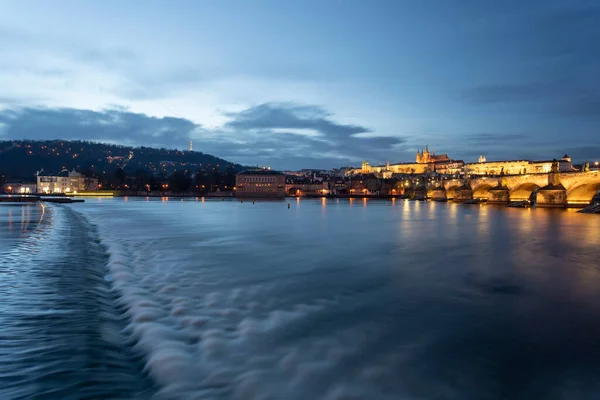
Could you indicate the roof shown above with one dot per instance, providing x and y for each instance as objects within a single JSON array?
[
  {"x": 449, "y": 161},
  {"x": 549, "y": 161},
  {"x": 499, "y": 161},
  {"x": 259, "y": 172}
]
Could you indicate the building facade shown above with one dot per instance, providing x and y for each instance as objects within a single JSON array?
[
  {"x": 65, "y": 182},
  {"x": 260, "y": 183},
  {"x": 428, "y": 162},
  {"x": 307, "y": 189},
  {"x": 517, "y": 167},
  {"x": 19, "y": 188},
  {"x": 426, "y": 157},
  {"x": 425, "y": 162}
]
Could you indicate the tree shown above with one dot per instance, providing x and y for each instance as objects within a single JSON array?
[
  {"x": 180, "y": 182},
  {"x": 120, "y": 176},
  {"x": 142, "y": 179}
]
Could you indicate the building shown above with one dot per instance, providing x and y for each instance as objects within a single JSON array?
[
  {"x": 449, "y": 167},
  {"x": 307, "y": 189},
  {"x": 564, "y": 165},
  {"x": 64, "y": 182},
  {"x": 260, "y": 183},
  {"x": 425, "y": 162},
  {"x": 425, "y": 157},
  {"x": 19, "y": 187},
  {"x": 517, "y": 167},
  {"x": 502, "y": 167}
]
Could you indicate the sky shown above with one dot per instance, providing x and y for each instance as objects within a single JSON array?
[{"x": 307, "y": 84}]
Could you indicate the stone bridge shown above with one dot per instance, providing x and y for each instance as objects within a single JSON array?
[{"x": 560, "y": 189}]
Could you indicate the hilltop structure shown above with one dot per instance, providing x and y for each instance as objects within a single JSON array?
[
  {"x": 425, "y": 162},
  {"x": 442, "y": 164},
  {"x": 517, "y": 167},
  {"x": 425, "y": 157}
]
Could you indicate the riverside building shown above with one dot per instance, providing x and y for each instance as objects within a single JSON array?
[{"x": 260, "y": 183}]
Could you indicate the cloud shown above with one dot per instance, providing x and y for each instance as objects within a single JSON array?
[
  {"x": 292, "y": 116},
  {"x": 115, "y": 126},
  {"x": 300, "y": 132},
  {"x": 270, "y": 133}
]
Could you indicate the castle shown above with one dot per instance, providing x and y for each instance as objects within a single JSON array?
[
  {"x": 426, "y": 161},
  {"x": 425, "y": 157}
]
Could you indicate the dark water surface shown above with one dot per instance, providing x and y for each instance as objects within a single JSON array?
[{"x": 326, "y": 300}]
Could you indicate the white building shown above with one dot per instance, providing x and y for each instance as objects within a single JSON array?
[{"x": 65, "y": 182}]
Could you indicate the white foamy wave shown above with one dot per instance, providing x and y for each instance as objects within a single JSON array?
[{"x": 205, "y": 333}]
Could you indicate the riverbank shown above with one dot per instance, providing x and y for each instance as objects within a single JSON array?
[{"x": 25, "y": 198}]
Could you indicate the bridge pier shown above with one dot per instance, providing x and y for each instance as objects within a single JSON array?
[
  {"x": 437, "y": 194},
  {"x": 554, "y": 193},
  {"x": 461, "y": 194},
  {"x": 499, "y": 195},
  {"x": 551, "y": 196}
]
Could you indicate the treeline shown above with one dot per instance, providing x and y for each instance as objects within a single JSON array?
[{"x": 180, "y": 181}]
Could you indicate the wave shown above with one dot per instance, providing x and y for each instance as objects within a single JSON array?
[
  {"x": 207, "y": 332},
  {"x": 61, "y": 330}
]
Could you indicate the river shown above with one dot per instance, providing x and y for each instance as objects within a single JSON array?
[{"x": 327, "y": 299}]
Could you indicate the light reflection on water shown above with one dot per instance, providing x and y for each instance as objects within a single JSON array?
[{"x": 390, "y": 299}]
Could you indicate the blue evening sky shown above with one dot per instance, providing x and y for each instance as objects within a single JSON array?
[{"x": 298, "y": 84}]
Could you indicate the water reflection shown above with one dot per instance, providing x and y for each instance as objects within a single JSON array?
[{"x": 406, "y": 209}]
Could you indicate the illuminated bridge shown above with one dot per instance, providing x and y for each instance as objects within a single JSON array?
[{"x": 551, "y": 189}]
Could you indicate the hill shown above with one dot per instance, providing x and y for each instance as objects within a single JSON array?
[{"x": 20, "y": 159}]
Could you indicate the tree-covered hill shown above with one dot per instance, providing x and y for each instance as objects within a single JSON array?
[{"x": 20, "y": 159}]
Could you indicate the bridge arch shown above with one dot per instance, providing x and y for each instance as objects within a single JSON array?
[
  {"x": 582, "y": 194},
  {"x": 523, "y": 191}
]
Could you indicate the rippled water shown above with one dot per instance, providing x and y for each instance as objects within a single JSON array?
[{"x": 326, "y": 300}]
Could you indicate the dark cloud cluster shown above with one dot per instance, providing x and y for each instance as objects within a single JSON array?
[
  {"x": 115, "y": 126},
  {"x": 284, "y": 135},
  {"x": 287, "y": 131}
]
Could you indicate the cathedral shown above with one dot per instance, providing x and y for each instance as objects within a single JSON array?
[
  {"x": 426, "y": 162},
  {"x": 425, "y": 157}
]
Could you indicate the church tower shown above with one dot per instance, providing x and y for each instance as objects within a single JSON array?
[{"x": 426, "y": 155}]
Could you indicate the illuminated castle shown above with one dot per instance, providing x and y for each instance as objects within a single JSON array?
[{"x": 425, "y": 157}]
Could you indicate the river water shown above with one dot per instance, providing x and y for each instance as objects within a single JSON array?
[{"x": 327, "y": 299}]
